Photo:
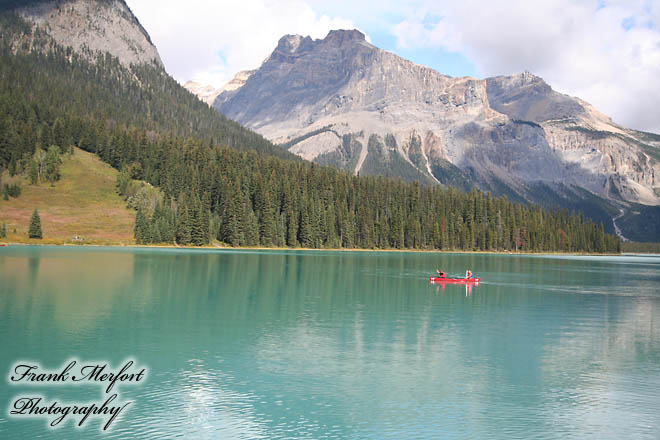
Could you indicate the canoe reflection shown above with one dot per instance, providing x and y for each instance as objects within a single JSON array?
[{"x": 441, "y": 284}]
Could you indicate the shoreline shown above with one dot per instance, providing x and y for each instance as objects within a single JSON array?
[{"x": 274, "y": 248}]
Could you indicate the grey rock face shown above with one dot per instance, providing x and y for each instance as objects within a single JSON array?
[
  {"x": 209, "y": 94},
  {"x": 96, "y": 25},
  {"x": 299, "y": 73},
  {"x": 204, "y": 92},
  {"x": 512, "y": 132},
  {"x": 529, "y": 98}
]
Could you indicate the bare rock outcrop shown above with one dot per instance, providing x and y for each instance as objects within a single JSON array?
[{"x": 92, "y": 26}]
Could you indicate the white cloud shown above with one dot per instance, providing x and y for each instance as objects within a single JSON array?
[
  {"x": 581, "y": 48},
  {"x": 211, "y": 41}
]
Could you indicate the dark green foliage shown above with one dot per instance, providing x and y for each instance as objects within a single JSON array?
[
  {"x": 13, "y": 4},
  {"x": 652, "y": 151},
  {"x": 593, "y": 134},
  {"x": 648, "y": 137},
  {"x": 33, "y": 172},
  {"x": 251, "y": 226},
  {"x": 390, "y": 140},
  {"x": 34, "y": 230},
  {"x": 312, "y": 133},
  {"x": 141, "y": 230},
  {"x": 183, "y": 223},
  {"x": 346, "y": 157},
  {"x": 575, "y": 199},
  {"x": 449, "y": 174},
  {"x": 12, "y": 164},
  {"x": 415, "y": 150},
  {"x": 641, "y": 223},
  {"x": 52, "y": 165},
  {"x": 198, "y": 235},
  {"x": 498, "y": 186},
  {"x": 123, "y": 180},
  {"x": 14, "y": 190},
  {"x": 646, "y": 143},
  {"x": 266, "y": 201},
  {"x": 530, "y": 123},
  {"x": 385, "y": 161},
  {"x": 3, "y": 230},
  {"x": 205, "y": 219},
  {"x": 642, "y": 248},
  {"x": 11, "y": 190}
]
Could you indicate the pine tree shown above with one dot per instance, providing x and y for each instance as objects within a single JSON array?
[
  {"x": 140, "y": 231},
  {"x": 35, "y": 225},
  {"x": 34, "y": 171},
  {"x": 268, "y": 227},
  {"x": 3, "y": 230},
  {"x": 52, "y": 166},
  {"x": 291, "y": 228},
  {"x": 251, "y": 227},
  {"x": 198, "y": 236},
  {"x": 12, "y": 166},
  {"x": 183, "y": 224},
  {"x": 305, "y": 233},
  {"x": 206, "y": 217}
]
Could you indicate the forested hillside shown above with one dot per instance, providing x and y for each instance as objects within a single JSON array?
[
  {"x": 142, "y": 122},
  {"x": 45, "y": 87},
  {"x": 258, "y": 200}
]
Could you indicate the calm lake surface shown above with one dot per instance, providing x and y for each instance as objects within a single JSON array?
[{"x": 295, "y": 344}]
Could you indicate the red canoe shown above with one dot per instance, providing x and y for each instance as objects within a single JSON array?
[{"x": 454, "y": 280}]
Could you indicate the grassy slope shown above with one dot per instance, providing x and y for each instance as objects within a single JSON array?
[{"x": 84, "y": 202}]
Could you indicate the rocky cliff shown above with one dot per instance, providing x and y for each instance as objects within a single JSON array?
[
  {"x": 209, "y": 94},
  {"x": 344, "y": 102},
  {"x": 205, "y": 92},
  {"x": 93, "y": 26}
]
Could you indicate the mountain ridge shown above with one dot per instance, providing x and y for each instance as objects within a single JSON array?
[{"x": 505, "y": 134}]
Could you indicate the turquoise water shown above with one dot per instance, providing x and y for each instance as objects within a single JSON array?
[{"x": 294, "y": 344}]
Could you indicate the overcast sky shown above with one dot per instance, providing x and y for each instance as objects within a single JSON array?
[{"x": 604, "y": 51}]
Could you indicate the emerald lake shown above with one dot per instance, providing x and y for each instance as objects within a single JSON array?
[{"x": 348, "y": 345}]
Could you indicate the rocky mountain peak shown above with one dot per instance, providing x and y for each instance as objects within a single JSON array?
[
  {"x": 527, "y": 77},
  {"x": 205, "y": 92},
  {"x": 289, "y": 43},
  {"x": 345, "y": 42},
  {"x": 343, "y": 36},
  {"x": 301, "y": 69},
  {"x": 209, "y": 94},
  {"x": 528, "y": 97},
  {"x": 96, "y": 26},
  {"x": 335, "y": 38}
]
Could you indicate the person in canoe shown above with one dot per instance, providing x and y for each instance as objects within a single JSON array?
[
  {"x": 468, "y": 274},
  {"x": 441, "y": 274}
]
